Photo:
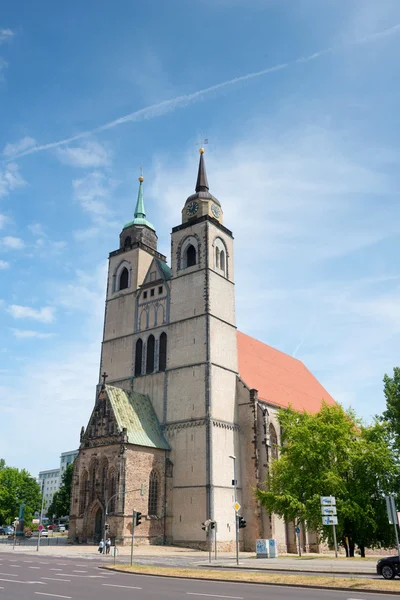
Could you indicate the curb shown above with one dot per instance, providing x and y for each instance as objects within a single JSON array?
[
  {"x": 283, "y": 585},
  {"x": 286, "y": 570}
]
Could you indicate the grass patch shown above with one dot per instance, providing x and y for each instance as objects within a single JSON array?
[{"x": 325, "y": 581}]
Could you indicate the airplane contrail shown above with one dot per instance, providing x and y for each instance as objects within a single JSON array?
[{"x": 167, "y": 106}]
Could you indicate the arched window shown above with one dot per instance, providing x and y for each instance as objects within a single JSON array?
[
  {"x": 113, "y": 491},
  {"x": 124, "y": 279},
  {"x": 217, "y": 253},
  {"x": 83, "y": 492},
  {"x": 190, "y": 256},
  {"x": 93, "y": 482},
  {"x": 138, "y": 357},
  {"x": 104, "y": 478},
  {"x": 150, "y": 354},
  {"x": 162, "y": 363},
  {"x": 153, "y": 495},
  {"x": 273, "y": 442},
  {"x": 222, "y": 261}
]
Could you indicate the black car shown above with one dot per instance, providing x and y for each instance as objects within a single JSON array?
[{"x": 388, "y": 567}]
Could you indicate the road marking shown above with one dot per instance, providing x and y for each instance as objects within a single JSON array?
[
  {"x": 213, "y": 595},
  {"x": 62, "y": 564},
  {"x": 55, "y": 579},
  {"x": 43, "y": 563},
  {"x": 33, "y": 567},
  {"x": 130, "y": 587},
  {"x": 52, "y": 595},
  {"x": 28, "y": 561},
  {"x": 75, "y": 571},
  {"x": 15, "y": 566},
  {"x": 55, "y": 569},
  {"x": 9, "y": 574}
]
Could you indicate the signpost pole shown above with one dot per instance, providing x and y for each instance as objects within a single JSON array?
[
  {"x": 334, "y": 539},
  {"x": 215, "y": 539},
  {"x": 392, "y": 514},
  {"x": 133, "y": 535},
  {"x": 236, "y": 517},
  {"x": 298, "y": 533}
]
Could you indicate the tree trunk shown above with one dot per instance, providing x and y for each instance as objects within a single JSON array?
[
  {"x": 351, "y": 548},
  {"x": 362, "y": 550},
  {"x": 346, "y": 547}
]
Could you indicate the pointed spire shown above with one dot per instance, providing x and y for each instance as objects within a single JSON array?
[
  {"x": 140, "y": 212},
  {"x": 202, "y": 182}
]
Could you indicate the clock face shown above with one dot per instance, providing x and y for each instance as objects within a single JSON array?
[
  {"x": 215, "y": 210},
  {"x": 192, "y": 208}
]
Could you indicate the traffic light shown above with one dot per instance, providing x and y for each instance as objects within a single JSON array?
[
  {"x": 205, "y": 527},
  {"x": 138, "y": 518},
  {"x": 212, "y": 525},
  {"x": 242, "y": 522},
  {"x": 107, "y": 527}
]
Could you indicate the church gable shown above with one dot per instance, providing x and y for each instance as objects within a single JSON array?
[
  {"x": 153, "y": 298},
  {"x": 158, "y": 271}
]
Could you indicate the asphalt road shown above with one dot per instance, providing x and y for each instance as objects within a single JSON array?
[{"x": 27, "y": 577}]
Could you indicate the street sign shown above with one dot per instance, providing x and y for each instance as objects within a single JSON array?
[
  {"x": 237, "y": 506},
  {"x": 329, "y": 521},
  {"x": 391, "y": 509},
  {"x": 328, "y": 501},
  {"x": 328, "y": 510},
  {"x": 40, "y": 527},
  {"x": 35, "y": 521},
  {"x": 297, "y": 530}
]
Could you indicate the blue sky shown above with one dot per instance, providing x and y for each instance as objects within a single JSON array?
[{"x": 299, "y": 102}]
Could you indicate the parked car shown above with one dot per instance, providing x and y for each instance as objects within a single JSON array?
[
  {"x": 6, "y": 530},
  {"x": 44, "y": 533},
  {"x": 61, "y": 528},
  {"x": 388, "y": 567}
]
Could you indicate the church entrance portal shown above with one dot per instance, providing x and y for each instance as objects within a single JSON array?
[{"x": 98, "y": 521}]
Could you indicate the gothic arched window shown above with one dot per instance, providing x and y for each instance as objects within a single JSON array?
[
  {"x": 123, "y": 279},
  {"x": 217, "y": 256},
  {"x": 83, "y": 492},
  {"x": 190, "y": 256},
  {"x": 93, "y": 482},
  {"x": 153, "y": 495},
  {"x": 162, "y": 363},
  {"x": 104, "y": 478},
  {"x": 222, "y": 260},
  {"x": 273, "y": 441},
  {"x": 113, "y": 491},
  {"x": 138, "y": 357},
  {"x": 150, "y": 354}
]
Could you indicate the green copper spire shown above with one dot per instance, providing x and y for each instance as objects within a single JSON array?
[{"x": 140, "y": 213}]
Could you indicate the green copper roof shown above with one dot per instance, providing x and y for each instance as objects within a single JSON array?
[
  {"x": 140, "y": 213},
  {"x": 135, "y": 412},
  {"x": 164, "y": 268}
]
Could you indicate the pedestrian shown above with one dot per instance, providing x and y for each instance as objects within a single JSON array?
[
  {"x": 108, "y": 546},
  {"x": 101, "y": 546}
]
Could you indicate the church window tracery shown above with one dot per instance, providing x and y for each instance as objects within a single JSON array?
[
  {"x": 153, "y": 495},
  {"x": 138, "y": 357},
  {"x": 217, "y": 253},
  {"x": 83, "y": 491},
  {"x": 220, "y": 257},
  {"x": 222, "y": 261},
  {"x": 150, "y": 354},
  {"x": 162, "y": 363},
  {"x": 273, "y": 442}
]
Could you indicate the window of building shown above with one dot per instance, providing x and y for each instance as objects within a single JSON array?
[
  {"x": 222, "y": 261},
  {"x": 145, "y": 295},
  {"x": 273, "y": 441},
  {"x": 124, "y": 279},
  {"x": 153, "y": 495},
  {"x": 217, "y": 257},
  {"x": 160, "y": 289},
  {"x": 152, "y": 292},
  {"x": 150, "y": 354},
  {"x": 162, "y": 364},
  {"x": 190, "y": 256},
  {"x": 138, "y": 357}
]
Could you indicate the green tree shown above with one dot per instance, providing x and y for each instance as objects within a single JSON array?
[
  {"x": 60, "y": 505},
  {"x": 17, "y": 486},
  {"x": 332, "y": 453},
  {"x": 391, "y": 416}
]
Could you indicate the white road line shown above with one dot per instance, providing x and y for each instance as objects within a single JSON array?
[
  {"x": 43, "y": 563},
  {"x": 75, "y": 571},
  {"x": 62, "y": 564},
  {"x": 28, "y": 561},
  {"x": 9, "y": 574},
  {"x": 52, "y": 595},
  {"x": 33, "y": 567},
  {"x": 213, "y": 595},
  {"x": 55, "y": 569},
  {"x": 55, "y": 579},
  {"x": 15, "y": 566},
  {"x": 129, "y": 587}
]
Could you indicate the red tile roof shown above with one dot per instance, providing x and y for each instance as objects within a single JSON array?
[{"x": 279, "y": 378}]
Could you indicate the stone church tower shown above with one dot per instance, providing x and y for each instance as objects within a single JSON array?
[{"x": 185, "y": 393}]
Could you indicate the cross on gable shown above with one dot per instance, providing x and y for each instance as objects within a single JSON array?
[{"x": 104, "y": 376}]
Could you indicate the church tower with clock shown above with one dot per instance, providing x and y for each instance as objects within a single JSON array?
[{"x": 186, "y": 409}]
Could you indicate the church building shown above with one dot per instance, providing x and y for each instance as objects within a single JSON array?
[{"x": 187, "y": 404}]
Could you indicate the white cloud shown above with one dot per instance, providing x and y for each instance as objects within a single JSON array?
[
  {"x": 92, "y": 192},
  {"x": 36, "y": 229},
  {"x": 44, "y": 315},
  {"x": 4, "y": 265},
  {"x": 10, "y": 179},
  {"x": 89, "y": 154},
  {"x": 6, "y": 35},
  {"x": 26, "y": 333},
  {"x": 12, "y": 243},
  {"x": 3, "y": 220},
  {"x": 20, "y": 146}
]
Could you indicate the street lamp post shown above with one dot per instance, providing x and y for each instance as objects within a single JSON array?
[
  {"x": 235, "y": 500},
  {"x": 41, "y": 517}
]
